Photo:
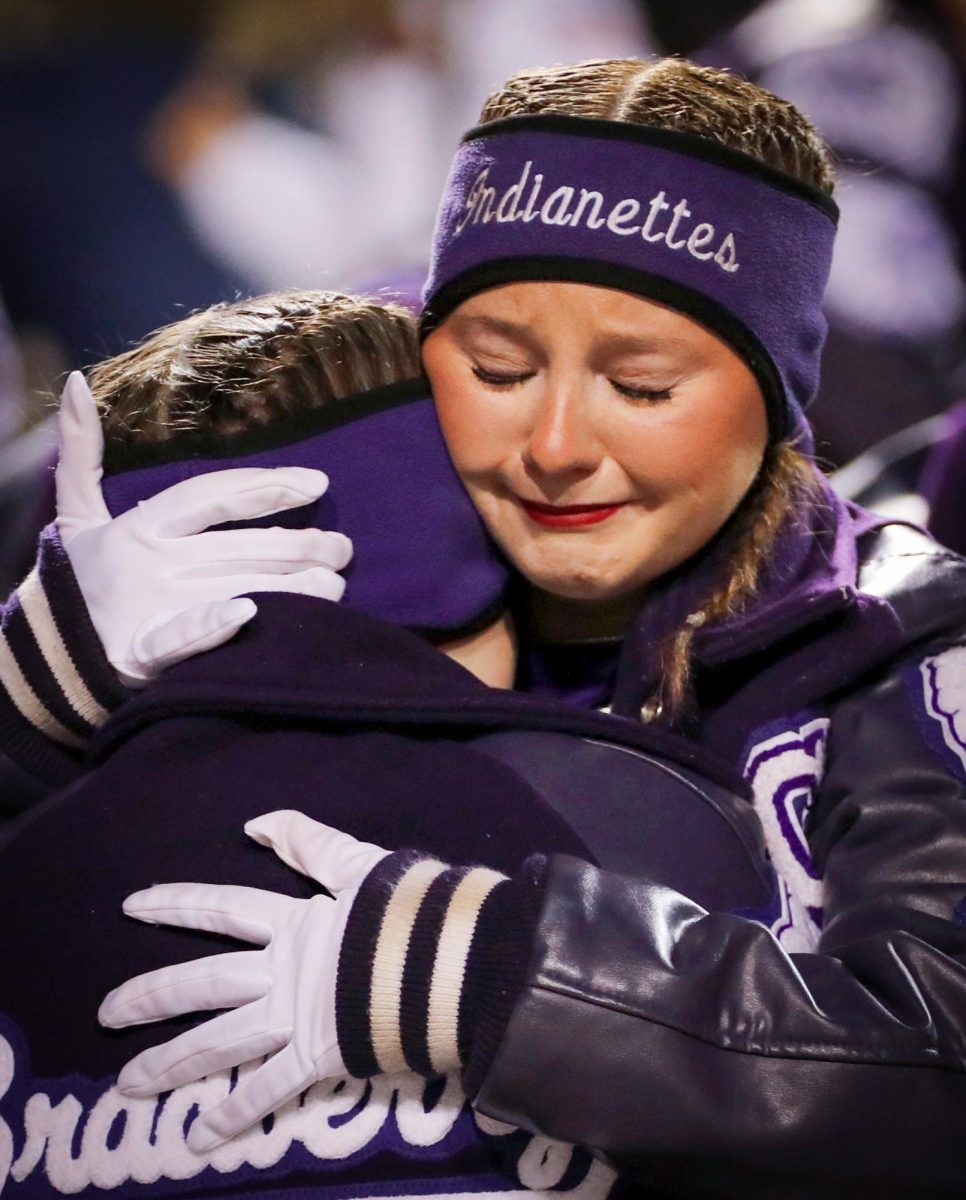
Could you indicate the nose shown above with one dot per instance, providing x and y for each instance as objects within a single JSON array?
[{"x": 561, "y": 443}]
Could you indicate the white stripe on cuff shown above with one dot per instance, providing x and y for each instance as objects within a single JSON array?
[
  {"x": 389, "y": 961},
  {"x": 446, "y": 988},
  {"x": 28, "y": 703},
  {"x": 36, "y": 608}
]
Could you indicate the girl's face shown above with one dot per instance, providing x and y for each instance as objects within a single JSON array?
[{"x": 603, "y": 438}]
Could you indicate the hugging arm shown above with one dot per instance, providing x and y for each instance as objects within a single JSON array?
[
  {"x": 112, "y": 602},
  {"x": 679, "y": 1044},
  {"x": 687, "y": 1045}
]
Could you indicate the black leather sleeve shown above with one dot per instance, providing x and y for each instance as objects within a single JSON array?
[{"x": 691, "y": 1052}]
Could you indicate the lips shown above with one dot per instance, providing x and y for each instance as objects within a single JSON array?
[{"x": 568, "y": 516}]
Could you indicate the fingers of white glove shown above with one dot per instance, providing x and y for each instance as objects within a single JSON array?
[
  {"x": 158, "y": 646},
  {"x": 266, "y": 551},
  {"x": 168, "y": 638},
  {"x": 331, "y": 857},
  {"x": 215, "y": 1045},
  {"x": 240, "y": 912},
  {"x": 239, "y": 494},
  {"x": 80, "y": 504},
  {"x": 281, "y": 1079},
  {"x": 316, "y": 581},
  {"x": 220, "y": 981}
]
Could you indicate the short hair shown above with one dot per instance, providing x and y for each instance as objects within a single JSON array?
[{"x": 234, "y": 366}]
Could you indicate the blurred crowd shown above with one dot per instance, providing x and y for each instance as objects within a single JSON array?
[{"x": 163, "y": 155}]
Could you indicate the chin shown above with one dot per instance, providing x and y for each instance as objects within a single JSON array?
[{"x": 570, "y": 586}]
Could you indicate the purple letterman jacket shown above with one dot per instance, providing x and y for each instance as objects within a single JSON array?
[
  {"x": 368, "y": 728},
  {"x": 809, "y": 1047}
]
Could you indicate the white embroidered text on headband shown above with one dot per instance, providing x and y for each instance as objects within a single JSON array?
[{"x": 741, "y": 247}]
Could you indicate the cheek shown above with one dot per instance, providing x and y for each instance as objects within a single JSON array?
[
  {"x": 457, "y": 409},
  {"x": 731, "y": 463},
  {"x": 707, "y": 465},
  {"x": 723, "y": 467},
  {"x": 467, "y": 433},
  {"x": 474, "y": 426}
]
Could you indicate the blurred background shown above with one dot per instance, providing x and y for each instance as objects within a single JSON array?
[{"x": 165, "y": 154}]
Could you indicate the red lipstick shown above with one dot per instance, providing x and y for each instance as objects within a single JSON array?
[{"x": 568, "y": 516}]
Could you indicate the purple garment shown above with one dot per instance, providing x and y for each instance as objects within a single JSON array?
[
  {"x": 423, "y": 558},
  {"x": 742, "y": 248},
  {"x": 277, "y": 721},
  {"x": 579, "y": 673},
  {"x": 811, "y": 583}
]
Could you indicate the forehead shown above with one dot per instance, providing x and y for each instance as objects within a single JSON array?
[{"x": 556, "y": 310}]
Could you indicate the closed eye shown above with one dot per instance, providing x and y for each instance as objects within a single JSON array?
[
  {"x": 502, "y": 378},
  {"x": 649, "y": 395}
]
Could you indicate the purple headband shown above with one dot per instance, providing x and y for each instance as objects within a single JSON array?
[
  {"x": 739, "y": 246},
  {"x": 422, "y": 557}
]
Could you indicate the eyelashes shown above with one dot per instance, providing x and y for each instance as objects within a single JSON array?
[
  {"x": 648, "y": 395},
  {"x": 504, "y": 379},
  {"x": 499, "y": 379}
]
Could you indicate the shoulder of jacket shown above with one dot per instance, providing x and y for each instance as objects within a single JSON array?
[{"x": 922, "y": 581}]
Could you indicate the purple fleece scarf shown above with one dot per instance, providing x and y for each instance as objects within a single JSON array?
[
  {"x": 740, "y": 247},
  {"x": 423, "y": 558}
]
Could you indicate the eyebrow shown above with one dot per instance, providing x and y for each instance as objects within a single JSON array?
[
  {"x": 613, "y": 343},
  {"x": 630, "y": 343},
  {"x": 515, "y": 331}
]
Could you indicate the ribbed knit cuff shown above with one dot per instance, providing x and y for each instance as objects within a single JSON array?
[
  {"x": 498, "y": 965},
  {"x": 56, "y": 684},
  {"x": 429, "y": 968}
]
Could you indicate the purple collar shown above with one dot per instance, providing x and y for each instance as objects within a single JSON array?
[
  {"x": 812, "y": 574},
  {"x": 423, "y": 558},
  {"x": 742, "y": 248}
]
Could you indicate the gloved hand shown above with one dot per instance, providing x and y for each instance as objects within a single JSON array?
[
  {"x": 286, "y": 990},
  {"x": 159, "y": 590}
]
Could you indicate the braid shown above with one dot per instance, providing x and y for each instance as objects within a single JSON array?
[{"x": 786, "y": 478}]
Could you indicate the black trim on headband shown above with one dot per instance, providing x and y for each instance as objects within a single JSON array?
[
  {"x": 284, "y": 431},
  {"x": 705, "y": 311},
  {"x": 692, "y": 144}
]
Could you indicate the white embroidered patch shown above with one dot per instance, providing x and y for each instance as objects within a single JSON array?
[
  {"x": 944, "y": 692},
  {"x": 783, "y": 773},
  {"x": 6, "y": 1135},
  {"x": 544, "y": 1163},
  {"x": 114, "y": 1140}
]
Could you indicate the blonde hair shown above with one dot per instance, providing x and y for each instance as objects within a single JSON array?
[
  {"x": 672, "y": 93},
  {"x": 234, "y": 366},
  {"x": 675, "y": 94},
  {"x": 786, "y": 478}
]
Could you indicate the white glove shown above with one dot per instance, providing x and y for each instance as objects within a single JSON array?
[
  {"x": 158, "y": 589},
  {"x": 286, "y": 990}
]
